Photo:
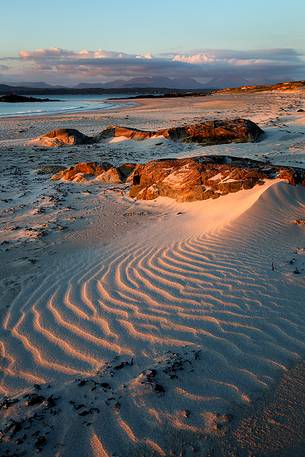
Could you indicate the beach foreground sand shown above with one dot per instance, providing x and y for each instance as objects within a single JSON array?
[{"x": 152, "y": 328}]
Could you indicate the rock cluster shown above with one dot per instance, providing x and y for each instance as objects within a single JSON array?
[
  {"x": 209, "y": 132},
  {"x": 103, "y": 172},
  {"x": 205, "y": 133},
  {"x": 201, "y": 178},
  {"x": 189, "y": 179}
]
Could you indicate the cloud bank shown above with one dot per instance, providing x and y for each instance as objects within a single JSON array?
[{"x": 214, "y": 67}]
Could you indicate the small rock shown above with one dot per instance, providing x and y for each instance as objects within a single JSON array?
[{"x": 34, "y": 399}]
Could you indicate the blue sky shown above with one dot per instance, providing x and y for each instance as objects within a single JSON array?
[
  {"x": 154, "y": 26},
  {"x": 140, "y": 27}
]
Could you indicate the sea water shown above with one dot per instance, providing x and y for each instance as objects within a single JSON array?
[{"x": 65, "y": 104}]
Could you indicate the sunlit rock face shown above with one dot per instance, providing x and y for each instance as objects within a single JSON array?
[
  {"x": 103, "y": 172},
  {"x": 216, "y": 132},
  {"x": 205, "y": 133},
  {"x": 209, "y": 132},
  {"x": 189, "y": 179},
  {"x": 205, "y": 177},
  {"x": 114, "y": 131},
  {"x": 62, "y": 137},
  {"x": 85, "y": 168}
]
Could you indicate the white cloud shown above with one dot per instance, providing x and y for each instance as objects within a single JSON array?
[
  {"x": 55, "y": 53},
  {"x": 195, "y": 58}
]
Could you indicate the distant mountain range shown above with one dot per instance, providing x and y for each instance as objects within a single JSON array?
[
  {"x": 149, "y": 83},
  {"x": 132, "y": 86},
  {"x": 133, "y": 83},
  {"x": 145, "y": 82},
  {"x": 145, "y": 85},
  {"x": 34, "y": 84}
]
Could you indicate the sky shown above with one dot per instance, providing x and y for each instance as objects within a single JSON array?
[{"x": 96, "y": 40}]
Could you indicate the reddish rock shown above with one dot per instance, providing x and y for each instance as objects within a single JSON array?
[
  {"x": 61, "y": 137},
  {"x": 300, "y": 221},
  {"x": 208, "y": 132},
  {"x": 293, "y": 175},
  {"x": 131, "y": 133},
  {"x": 205, "y": 133},
  {"x": 180, "y": 179},
  {"x": 126, "y": 170},
  {"x": 112, "y": 175},
  {"x": 85, "y": 168},
  {"x": 216, "y": 132},
  {"x": 205, "y": 177},
  {"x": 103, "y": 172},
  {"x": 189, "y": 179}
]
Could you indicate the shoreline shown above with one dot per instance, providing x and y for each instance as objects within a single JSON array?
[
  {"x": 138, "y": 104},
  {"x": 68, "y": 112}
]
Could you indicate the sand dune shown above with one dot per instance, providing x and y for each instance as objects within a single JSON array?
[{"x": 195, "y": 291}]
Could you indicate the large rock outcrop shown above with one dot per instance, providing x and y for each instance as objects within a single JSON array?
[
  {"x": 204, "y": 177},
  {"x": 205, "y": 133},
  {"x": 209, "y": 132}
]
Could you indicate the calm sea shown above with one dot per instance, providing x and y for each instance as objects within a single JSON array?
[{"x": 66, "y": 104}]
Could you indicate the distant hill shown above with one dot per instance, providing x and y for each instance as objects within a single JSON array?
[
  {"x": 34, "y": 84},
  {"x": 14, "y": 98},
  {"x": 281, "y": 87}
]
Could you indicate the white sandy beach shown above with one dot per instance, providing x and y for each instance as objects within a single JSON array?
[{"x": 154, "y": 325}]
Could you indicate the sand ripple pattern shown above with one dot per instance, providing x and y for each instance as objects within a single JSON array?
[{"x": 213, "y": 291}]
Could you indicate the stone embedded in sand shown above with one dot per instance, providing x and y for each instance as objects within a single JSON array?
[
  {"x": 201, "y": 178},
  {"x": 61, "y": 137},
  {"x": 103, "y": 172},
  {"x": 50, "y": 169},
  {"x": 34, "y": 399},
  {"x": 6, "y": 402},
  {"x": 300, "y": 221},
  {"x": 84, "y": 168}
]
